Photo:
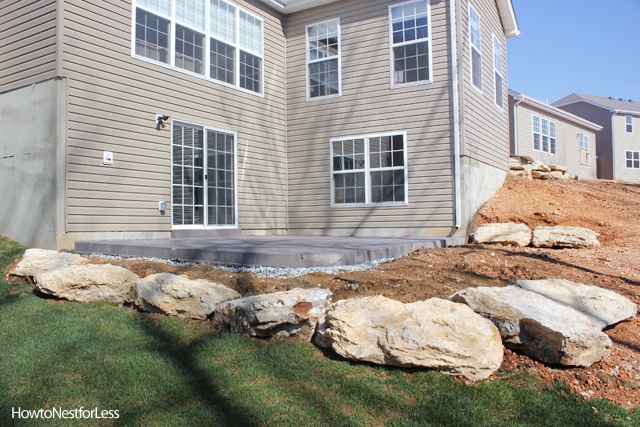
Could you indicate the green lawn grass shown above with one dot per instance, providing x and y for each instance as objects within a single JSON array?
[{"x": 160, "y": 371}]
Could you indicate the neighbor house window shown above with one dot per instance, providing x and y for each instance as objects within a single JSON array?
[
  {"x": 629, "y": 123},
  {"x": 226, "y": 45},
  {"x": 323, "y": 59},
  {"x": 585, "y": 149},
  {"x": 476, "y": 52},
  {"x": 497, "y": 72},
  {"x": 633, "y": 159},
  {"x": 544, "y": 135},
  {"x": 369, "y": 170},
  {"x": 410, "y": 42}
]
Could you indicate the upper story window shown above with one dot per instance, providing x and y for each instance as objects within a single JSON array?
[
  {"x": 323, "y": 59},
  {"x": 633, "y": 159},
  {"x": 410, "y": 43},
  {"x": 369, "y": 170},
  {"x": 475, "y": 45},
  {"x": 498, "y": 73},
  {"x": 210, "y": 38},
  {"x": 585, "y": 149},
  {"x": 628, "y": 120},
  {"x": 544, "y": 135}
]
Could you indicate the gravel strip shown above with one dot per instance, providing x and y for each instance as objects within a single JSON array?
[{"x": 276, "y": 272}]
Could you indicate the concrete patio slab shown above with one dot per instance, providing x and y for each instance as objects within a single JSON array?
[{"x": 269, "y": 251}]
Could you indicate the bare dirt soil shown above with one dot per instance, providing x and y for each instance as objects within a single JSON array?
[{"x": 610, "y": 208}]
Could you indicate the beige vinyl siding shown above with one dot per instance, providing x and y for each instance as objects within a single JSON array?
[
  {"x": 369, "y": 106},
  {"x": 624, "y": 142},
  {"x": 485, "y": 126},
  {"x": 604, "y": 147},
  {"x": 27, "y": 42},
  {"x": 567, "y": 142},
  {"x": 112, "y": 102}
]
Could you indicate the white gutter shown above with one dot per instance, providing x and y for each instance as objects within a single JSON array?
[
  {"x": 456, "y": 115},
  {"x": 515, "y": 123}
]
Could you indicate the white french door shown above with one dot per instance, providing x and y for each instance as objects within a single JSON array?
[{"x": 203, "y": 177}]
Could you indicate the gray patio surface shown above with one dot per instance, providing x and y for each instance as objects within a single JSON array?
[{"x": 269, "y": 251}]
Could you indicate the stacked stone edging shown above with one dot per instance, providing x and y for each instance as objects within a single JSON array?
[
  {"x": 542, "y": 236},
  {"x": 555, "y": 321}
]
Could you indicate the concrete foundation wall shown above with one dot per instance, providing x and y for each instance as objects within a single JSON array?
[
  {"x": 30, "y": 157},
  {"x": 478, "y": 184}
]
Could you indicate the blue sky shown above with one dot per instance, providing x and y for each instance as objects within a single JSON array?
[{"x": 582, "y": 46}]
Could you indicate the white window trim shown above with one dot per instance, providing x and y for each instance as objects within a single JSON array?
[
  {"x": 391, "y": 46},
  {"x": 472, "y": 48},
  {"x": 499, "y": 72},
  {"x": 204, "y": 167},
  {"x": 584, "y": 149},
  {"x": 207, "y": 46},
  {"x": 309, "y": 61},
  {"x": 628, "y": 117},
  {"x": 542, "y": 134},
  {"x": 367, "y": 171},
  {"x": 632, "y": 159}
]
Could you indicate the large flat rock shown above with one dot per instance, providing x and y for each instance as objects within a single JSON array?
[
  {"x": 436, "y": 334},
  {"x": 538, "y": 326}
]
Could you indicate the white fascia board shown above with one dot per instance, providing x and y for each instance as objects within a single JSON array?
[
  {"x": 554, "y": 110},
  {"x": 508, "y": 18},
  {"x": 290, "y": 6}
]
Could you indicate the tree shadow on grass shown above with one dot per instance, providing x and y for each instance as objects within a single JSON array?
[{"x": 184, "y": 356}]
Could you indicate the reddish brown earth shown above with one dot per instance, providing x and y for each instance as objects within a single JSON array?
[{"x": 610, "y": 208}]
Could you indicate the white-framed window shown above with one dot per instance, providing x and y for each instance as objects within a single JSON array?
[
  {"x": 369, "y": 170},
  {"x": 585, "y": 149},
  {"x": 410, "y": 29},
  {"x": 498, "y": 72},
  {"x": 628, "y": 120},
  {"x": 633, "y": 159},
  {"x": 323, "y": 59},
  {"x": 544, "y": 135},
  {"x": 475, "y": 48},
  {"x": 209, "y": 38}
]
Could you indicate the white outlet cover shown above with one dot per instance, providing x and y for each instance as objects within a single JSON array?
[{"x": 107, "y": 158}]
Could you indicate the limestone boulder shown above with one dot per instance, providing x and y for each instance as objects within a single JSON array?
[
  {"x": 179, "y": 296},
  {"x": 602, "y": 306},
  {"x": 87, "y": 283},
  {"x": 436, "y": 334},
  {"x": 537, "y": 174},
  {"x": 537, "y": 326},
  {"x": 294, "y": 312},
  {"x": 558, "y": 168},
  {"x": 564, "y": 237},
  {"x": 505, "y": 233},
  {"x": 40, "y": 260}
]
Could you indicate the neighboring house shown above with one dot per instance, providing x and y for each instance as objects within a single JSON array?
[
  {"x": 552, "y": 136},
  {"x": 618, "y": 148},
  {"x": 158, "y": 118}
]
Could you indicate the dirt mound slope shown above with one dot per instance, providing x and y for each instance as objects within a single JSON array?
[{"x": 610, "y": 208}]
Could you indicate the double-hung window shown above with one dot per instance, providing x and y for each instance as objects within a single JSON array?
[
  {"x": 544, "y": 135},
  {"x": 369, "y": 170},
  {"x": 585, "y": 149},
  {"x": 628, "y": 120},
  {"x": 210, "y": 38},
  {"x": 410, "y": 43},
  {"x": 497, "y": 71},
  {"x": 633, "y": 159},
  {"x": 323, "y": 59},
  {"x": 475, "y": 46}
]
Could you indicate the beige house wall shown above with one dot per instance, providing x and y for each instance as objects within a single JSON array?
[
  {"x": 369, "y": 105},
  {"x": 112, "y": 103},
  {"x": 624, "y": 142}
]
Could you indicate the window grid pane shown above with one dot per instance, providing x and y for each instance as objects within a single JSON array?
[
  {"x": 189, "y": 50},
  {"x": 323, "y": 50},
  {"x": 250, "y": 72},
  {"x": 222, "y": 21},
  {"x": 476, "y": 51},
  {"x": 410, "y": 34},
  {"x": 386, "y": 165},
  {"x": 191, "y": 13},
  {"x": 152, "y": 36},
  {"x": 222, "y": 62}
]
